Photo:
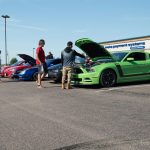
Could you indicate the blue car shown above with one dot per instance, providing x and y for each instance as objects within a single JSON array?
[{"x": 31, "y": 73}]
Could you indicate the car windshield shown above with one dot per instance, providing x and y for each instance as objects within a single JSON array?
[
  {"x": 26, "y": 64},
  {"x": 119, "y": 55},
  {"x": 105, "y": 60},
  {"x": 16, "y": 64},
  {"x": 79, "y": 60}
]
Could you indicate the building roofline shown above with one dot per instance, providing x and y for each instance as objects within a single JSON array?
[{"x": 135, "y": 38}]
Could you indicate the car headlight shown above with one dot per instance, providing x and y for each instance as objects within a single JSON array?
[
  {"x": 18, "y": 71},
  {"x": 90, "y": 70},
  {"x": 22, "y": 72}
]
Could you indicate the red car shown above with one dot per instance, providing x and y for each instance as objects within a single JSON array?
[
  {"x": 12, "y": 72},
  {"x": 4, "y": 68}
]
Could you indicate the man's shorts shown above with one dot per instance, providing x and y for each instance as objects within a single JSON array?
[{"x": 42, "y": 68}]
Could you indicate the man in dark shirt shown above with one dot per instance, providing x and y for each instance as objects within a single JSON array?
[
  {"x": 49, "y": 56},
  {"x": 68, "y": 59}
]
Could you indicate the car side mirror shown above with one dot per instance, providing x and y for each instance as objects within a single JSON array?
[{"x": 130, "y": 59}]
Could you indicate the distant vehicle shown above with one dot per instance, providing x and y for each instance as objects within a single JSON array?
[
  {"x": 31, "y": 73},
  {"x": 14, "y": 70},
  {"x": 109, "y": 69},
  {"x": 3, "y": 68}
]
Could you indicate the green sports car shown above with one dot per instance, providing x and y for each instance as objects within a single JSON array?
[{"x": 108, "y": 69}]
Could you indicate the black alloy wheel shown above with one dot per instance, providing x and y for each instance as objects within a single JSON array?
[{"x": 108, "y": 78}]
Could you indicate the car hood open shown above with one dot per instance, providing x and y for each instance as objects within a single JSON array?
[
  {"x": 92, "y": 49},
  {"x": 28, "y": 59}
]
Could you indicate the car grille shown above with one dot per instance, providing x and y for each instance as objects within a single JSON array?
[
  {"x": 77, "y": 71},
  {"x": 76, "y": 79}
]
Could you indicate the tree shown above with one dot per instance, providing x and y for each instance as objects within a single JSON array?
[{"x": 13, "y": 60}]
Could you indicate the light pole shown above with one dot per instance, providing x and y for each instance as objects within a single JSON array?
[
  {"x": 6, "y": 53},
  {"x": 33, "y": 52}
]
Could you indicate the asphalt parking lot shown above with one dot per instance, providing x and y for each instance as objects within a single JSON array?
[{"x": 83, "y": 118}]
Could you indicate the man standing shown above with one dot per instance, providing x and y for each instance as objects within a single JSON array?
[
  {"x": 49, "y": 56},
  {"x": 68, "y": 59},
  {"x": 40, "y": 61}
]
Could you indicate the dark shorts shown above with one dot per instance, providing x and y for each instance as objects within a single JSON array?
[{"x": 40, "y": 69}]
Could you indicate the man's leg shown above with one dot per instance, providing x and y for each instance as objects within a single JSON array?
[
  {"x": 69, "y": 78},
  {"x": 39, "y": 79},
  {"x": 39, "y": 76},
  {"x": 63, "y": 77},
  {"x": 42, "y": 76}
]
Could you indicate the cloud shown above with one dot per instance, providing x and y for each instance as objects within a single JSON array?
[
  {"x": 17, "y": 23},
  {"x": 29, "y": 27}
]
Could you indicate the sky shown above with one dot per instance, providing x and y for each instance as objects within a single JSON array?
[{"x": 60, "y": 21}]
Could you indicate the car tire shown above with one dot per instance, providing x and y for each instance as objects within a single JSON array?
[
  {"x": 34, "y": 76},
  {"x": 58, "y": 78},
  {"x": 108, "y": 78}
]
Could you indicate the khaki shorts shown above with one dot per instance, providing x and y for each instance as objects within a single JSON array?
[{"x": 66, "y": 73}]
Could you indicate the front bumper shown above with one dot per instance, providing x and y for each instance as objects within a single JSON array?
[
  {"x": 55, "y": 75},
  {"x": 85, "y": 79},
  {"x": 24, "y": 77}
]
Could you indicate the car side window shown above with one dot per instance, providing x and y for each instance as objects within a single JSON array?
[
  {"x": 57, "y": 61},
  {"x": 137, "y": 56}
]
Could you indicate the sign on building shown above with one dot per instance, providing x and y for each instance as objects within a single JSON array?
[{"x": 141, "y": 43}]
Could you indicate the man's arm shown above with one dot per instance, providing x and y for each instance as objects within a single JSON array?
[
  {"x": 80, "y": 55},
  {"x": 37, "y": 56}
]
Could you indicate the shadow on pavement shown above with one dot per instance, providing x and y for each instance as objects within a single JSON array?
[
  {"x": 110, "y": 144},
  {"x": 118, "y": 85}
]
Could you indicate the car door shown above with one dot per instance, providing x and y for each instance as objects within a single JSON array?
[
  {"x": 147, "y": 64},
  {"x": 134, "y": 64}
]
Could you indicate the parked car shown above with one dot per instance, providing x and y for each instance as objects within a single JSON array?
[
  {"x": 31, "y": 73},
  {"x": 4, "y": 68},
  {"x": 55, "y": 71},
  {"x": 109, "y": 69},
  {"x": 12, "y": 72}
]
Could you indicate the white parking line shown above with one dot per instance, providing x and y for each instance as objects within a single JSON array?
[{"x": 122, "y": 87}]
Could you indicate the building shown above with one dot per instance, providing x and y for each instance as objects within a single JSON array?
[{"x": 137, "y": 43}]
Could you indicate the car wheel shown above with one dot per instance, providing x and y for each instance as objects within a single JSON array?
[
  {"x": 34, "y": 77},
  {"x": 108, "y": 78},
  {"x": 58, "y": 78}
]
